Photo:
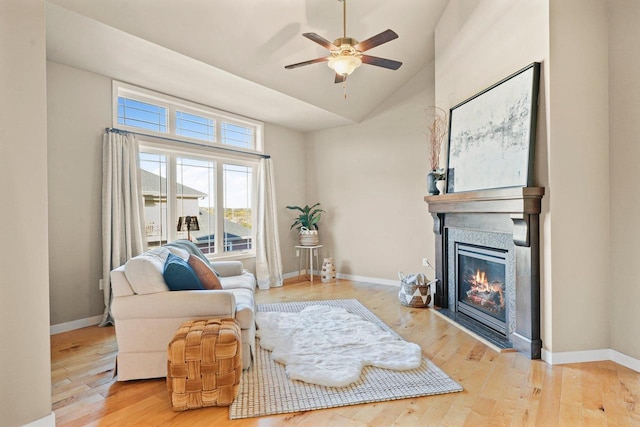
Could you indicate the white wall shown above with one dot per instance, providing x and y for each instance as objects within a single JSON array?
[
  {"x": 25, "y": 368},
  {"x": 624, "y": 111},
  {"x": 371, "y": 181}
]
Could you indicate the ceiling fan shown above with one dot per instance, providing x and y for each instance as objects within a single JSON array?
[{"x": 345, "y": 53}]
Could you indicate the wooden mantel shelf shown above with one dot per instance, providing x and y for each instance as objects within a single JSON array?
[{"x": 512, "y": 200}]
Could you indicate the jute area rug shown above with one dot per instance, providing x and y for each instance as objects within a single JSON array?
[{"x": 266, "y": 390}]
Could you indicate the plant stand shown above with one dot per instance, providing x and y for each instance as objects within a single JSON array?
[{"x": 313, "y": 250}]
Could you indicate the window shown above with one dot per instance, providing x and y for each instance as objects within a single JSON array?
[
  {"x": 218, "y": 191},
  {"x": 138, "y": 109},
  {"x": 134, "y": 113},
  {"x": 180, "y": 179}
]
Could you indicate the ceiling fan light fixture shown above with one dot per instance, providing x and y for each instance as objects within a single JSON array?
[{"x": 344, "y": 65}]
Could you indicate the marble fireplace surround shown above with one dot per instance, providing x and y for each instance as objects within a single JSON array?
[{"x": 506, "y": 218}]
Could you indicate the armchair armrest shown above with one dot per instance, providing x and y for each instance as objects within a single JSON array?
[
  {"x": 228, "y": 268},
  {"x": 176, "y": 304}
]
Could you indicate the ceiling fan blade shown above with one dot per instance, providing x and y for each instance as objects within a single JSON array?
[
  {"x": 309, "y": 62},
  {"x": 377, "y": 40},
  {"x": 381, "y": 62},
  {"x": 320, "y": 40},
  {"x": 340, "y": 78}
]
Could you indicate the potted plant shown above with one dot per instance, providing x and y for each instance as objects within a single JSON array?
[
  {"x": 437, "y": 134},
  {"x": 307, "y": 223}
]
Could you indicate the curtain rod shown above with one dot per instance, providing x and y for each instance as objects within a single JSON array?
[{"x": 264, "y": 156}]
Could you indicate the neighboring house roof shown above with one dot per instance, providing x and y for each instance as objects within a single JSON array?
[{"x": 152, "y": 183}]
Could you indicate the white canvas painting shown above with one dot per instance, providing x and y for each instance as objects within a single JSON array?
[{"x": 490, "y": 137}]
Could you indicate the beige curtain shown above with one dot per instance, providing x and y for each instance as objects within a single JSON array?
[
  {"x": 268, "y": 257},
  {"x": 123, "y": 234}
]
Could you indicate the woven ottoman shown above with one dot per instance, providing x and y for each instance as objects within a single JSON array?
[{"x": 204, "y": 364}]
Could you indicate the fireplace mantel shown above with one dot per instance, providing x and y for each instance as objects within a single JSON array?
[{"x": 514, "y": 211}]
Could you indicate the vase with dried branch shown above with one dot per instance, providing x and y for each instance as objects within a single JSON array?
[{"x": 438, "y": 127}]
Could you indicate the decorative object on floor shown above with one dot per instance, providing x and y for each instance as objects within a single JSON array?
[
  {"x": 204, "y": 364},
  {"x": 437, "y": 134},
  {"x": 266, "y": 390},
  {"x": 415, "y": 290},
  {"x": 345, "y": 341},
  {"x": 328, "y": 272},
  {"x": 346, "y": 52},
  {"x": 492, "y": 135},
  {"x": 307, "y": 223},
  {"x": 188, "y": 224}
]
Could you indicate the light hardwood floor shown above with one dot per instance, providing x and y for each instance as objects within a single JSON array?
[{"x": 501, "y": 389}]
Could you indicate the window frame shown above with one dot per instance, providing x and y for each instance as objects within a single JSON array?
[
  {"x": 172, "y": 150},
  {"x": 173, "y": 104}
]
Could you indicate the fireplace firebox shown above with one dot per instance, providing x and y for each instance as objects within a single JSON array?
[
  {"x": 481, "y": 291},
  {"x": 488, "y": 264}
]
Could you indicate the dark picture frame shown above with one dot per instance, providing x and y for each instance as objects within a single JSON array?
[{"x": 492, "y": 135}]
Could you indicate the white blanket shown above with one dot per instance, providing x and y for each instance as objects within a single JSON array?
[{"x": 329, "y": 346}]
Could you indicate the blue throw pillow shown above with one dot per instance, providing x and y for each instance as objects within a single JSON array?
[{"x": 179, "y": 276}]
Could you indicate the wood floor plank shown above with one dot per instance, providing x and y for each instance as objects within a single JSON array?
[{"x": 499, "y": 388}]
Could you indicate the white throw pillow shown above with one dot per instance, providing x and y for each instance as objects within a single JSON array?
[{"x": 144, "y": 272}]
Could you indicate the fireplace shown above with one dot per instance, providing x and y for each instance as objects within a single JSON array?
[
  {"x": 481, "y": 285},
  {"x": 487, "y": 264}
]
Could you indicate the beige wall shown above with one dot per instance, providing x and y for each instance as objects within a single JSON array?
[
  {"x": 288, "y": 152},
  {"x": 579, "y": 175},
  {"x": 371, "y": 180},
  {"x": 479, "y": 43},
  {"x": 25, "y": 369},
  {"x": 79, "y": 108},
  {"x": 624, "y": 114}
]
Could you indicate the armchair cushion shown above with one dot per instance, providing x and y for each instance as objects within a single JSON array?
[{"x": 179, "y": 275}]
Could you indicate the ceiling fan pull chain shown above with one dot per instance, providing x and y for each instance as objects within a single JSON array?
[{"x": 344, "y": 88}]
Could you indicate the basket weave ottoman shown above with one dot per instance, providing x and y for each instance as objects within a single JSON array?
[{"x": 204, "y": 364}]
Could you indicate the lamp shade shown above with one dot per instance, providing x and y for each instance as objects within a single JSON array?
[
  {"x": 188, "y": 223},
  {"x": 344, "y": 64}
]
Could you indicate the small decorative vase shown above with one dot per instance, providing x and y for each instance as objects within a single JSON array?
[
  {"x": 431, "y": 184},
  {"x": 328, "y": 272},
  {"x": 440, "y": 186}
]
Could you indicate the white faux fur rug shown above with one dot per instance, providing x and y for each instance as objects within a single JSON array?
[
  {"x": 329, "y": 346},
  {"x": 265, "y": 388}
]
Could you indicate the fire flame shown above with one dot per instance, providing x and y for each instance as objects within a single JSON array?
[{"x": 481, "y": 280}]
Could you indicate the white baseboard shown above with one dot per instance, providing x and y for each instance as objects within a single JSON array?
[
  {"x": 48, "y": 421},
  {"x": 373, "y": 280},
  {"x": 561, "y": 358},
  {"x": 75, "y": 324}
]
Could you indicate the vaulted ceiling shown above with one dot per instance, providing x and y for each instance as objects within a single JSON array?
[{"x": 230, "y": 54}]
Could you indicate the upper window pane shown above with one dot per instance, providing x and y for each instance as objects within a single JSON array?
[
  {"x": 142, "y": 115},
  {"x": 238, "y": 136},
  {"x": 194, "y": 126}
]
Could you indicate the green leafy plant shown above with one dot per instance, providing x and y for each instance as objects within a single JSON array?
[{"x": 308, "y": 218}]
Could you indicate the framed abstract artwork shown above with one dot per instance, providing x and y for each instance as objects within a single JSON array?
[{"x": 492, "y": 135}]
